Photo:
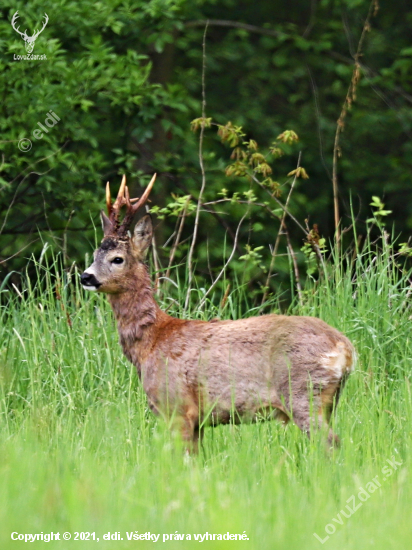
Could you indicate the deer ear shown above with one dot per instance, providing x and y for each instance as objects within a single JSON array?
[
  {"x": 106, "y": 223},
  {"x": 142, "y": 235}
]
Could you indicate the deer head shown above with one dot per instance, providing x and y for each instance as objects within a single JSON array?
[
  {"x": 29, "y": 40},
  {"x": 120, "y": 253}
]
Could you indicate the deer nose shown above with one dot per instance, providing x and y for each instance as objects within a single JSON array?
[{"x": 88, "y": 279}]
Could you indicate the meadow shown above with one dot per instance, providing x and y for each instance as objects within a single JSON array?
[{"x": 80, "y": 452}]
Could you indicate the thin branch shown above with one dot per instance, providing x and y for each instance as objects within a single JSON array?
[
  {"x": 155, "y": 256},
  {"x": 312, "y": 18},
  {"x": 282, "y": 206},
  {"x": 261, "y": 30},
  {"x": 318, "y": 119},
  {"x": 18, "y": 252},
  {"x": 295, "y": 265},
  {"x": 202, "y": 168},
  {"x": 350, "y": 97},
  {"x": 52, "y": 235},
  {"x": 177, "y": 239},
  {"x": 368, "y": 71},
  {"x": 238, "y": 201},
  {"x": 26, "y": 176},
  {"x": 235, "y": 25},
  {"x": 65, "y": 257},
  {"x": 24, "y": 231},
  {"x": 10, "y": 206},
  {"x": 348, "y": 33},
  {"x": 280, "y": 232},
  {"x": 202, "y": 301},
  {"x": 219, "y": 218},
  {"x": 38, "y": 161}
]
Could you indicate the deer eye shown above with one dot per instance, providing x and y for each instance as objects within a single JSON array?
[{"x": 117, "y": 261}]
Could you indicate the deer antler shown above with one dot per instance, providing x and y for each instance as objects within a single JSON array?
[
  {"x": 13, "y": 23},
  {"x": 123, "y": 199},
  {"x": 36, "y": 34}
]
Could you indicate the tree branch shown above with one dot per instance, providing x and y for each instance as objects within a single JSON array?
[
  {"x": 235, "y": 25},
  {"x": 202, "y": 301},
  {"x": 202, "y": 168},
  {"x": 350, "y": 97}
]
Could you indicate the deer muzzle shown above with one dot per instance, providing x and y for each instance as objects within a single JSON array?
[{"x": 89, "y": 281}]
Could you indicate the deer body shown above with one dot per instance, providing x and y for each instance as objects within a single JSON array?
[
  {"x": 214, "y": 372},
  {"x": 197, "y": 372}
]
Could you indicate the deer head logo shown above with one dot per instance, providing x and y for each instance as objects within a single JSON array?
[{"x": 29, "y": 40}]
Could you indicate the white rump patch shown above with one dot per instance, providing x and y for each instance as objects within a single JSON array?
[
  {"x": 354, "y": 360},
  {"x": 337, "y": 360}
]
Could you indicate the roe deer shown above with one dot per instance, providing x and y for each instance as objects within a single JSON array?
[{"x": 197, "y": 372}]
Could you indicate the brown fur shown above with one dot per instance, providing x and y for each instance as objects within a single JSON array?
[{"x": 197, "y": 373}]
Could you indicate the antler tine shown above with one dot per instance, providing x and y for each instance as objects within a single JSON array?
[
  {"x": 114, "y": 208},
  {"x": 132, "y": 208},
  {"x": 123, "y": 199},
  {"x": 108, "y": 199},
  {"x": 13, "y": 23},
  {"x": 129, "y": 206},
  {"x": 127, "y": 196},
  {"x": 120, "y": 199},
  {"x": 145, "y": 195}
]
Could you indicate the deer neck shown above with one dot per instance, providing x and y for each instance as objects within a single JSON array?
[{"x": 138, "y": 318}]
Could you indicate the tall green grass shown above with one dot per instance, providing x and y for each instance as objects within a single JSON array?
[{"x": 81, "y": 452}]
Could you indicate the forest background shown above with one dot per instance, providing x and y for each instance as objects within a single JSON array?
[{"x": 125, "y": 80}]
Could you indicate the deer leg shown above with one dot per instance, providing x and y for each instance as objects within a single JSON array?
[
  {"x": 330, "y": 397},
  {"x": 308, "y": 423},
  {"x": 307, "y": 414},
  {"x": 324, "y": 416},
  {"x": 190, "y": 430},
  {"x": 329, "y": 400},
  {"x": 315, "y": 415},
  {"x": 279, "y": 412},
  {"x": 311, "y": 401},
  {"x": 281, "y": 416},
  {"x": 197, "y": 439}
]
